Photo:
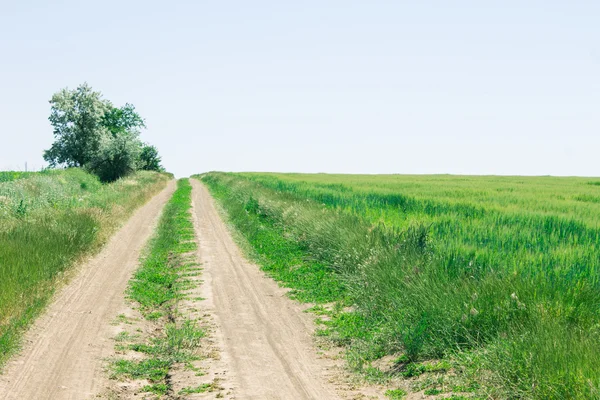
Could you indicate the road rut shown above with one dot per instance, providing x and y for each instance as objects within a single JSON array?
[
  {"x": 267, "y": 339},
  {"x": 66, "y": 346}
]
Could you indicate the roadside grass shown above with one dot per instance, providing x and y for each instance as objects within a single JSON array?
[
  {"x": 497, "y": 276},
  {"x": 280, "y": 257},
  {"x": 48, "y": 222},
  {"x": 7, "y": 176},
  {"x": 158, "y": 284}
]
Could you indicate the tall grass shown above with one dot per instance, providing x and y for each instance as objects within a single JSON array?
[
  {"x": 47, "y": 222},
  {"x": 6, "y": 176},
  {"x": 501, "y": 273}
]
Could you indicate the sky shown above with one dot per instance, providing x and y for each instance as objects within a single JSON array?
[{"x": 462, "y": 87}]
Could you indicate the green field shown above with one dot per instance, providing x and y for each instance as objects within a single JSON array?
[
  {"x": 498, "y": 276},
  {"x": 48, "y": 221}
]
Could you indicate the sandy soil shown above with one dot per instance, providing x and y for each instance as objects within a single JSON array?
[
  {"x": 209, "y": 371},
  {"x": 62, "y": 357},
  {"x": 267, "y": 339}
]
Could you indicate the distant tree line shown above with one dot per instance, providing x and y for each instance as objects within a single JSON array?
[{"x": 91, "y": 133}]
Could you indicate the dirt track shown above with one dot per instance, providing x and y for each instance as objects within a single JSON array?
[
  {"x": 63, "y": 355},
  {"x": 267, "y": 339},
  {"x": 264, "y": 339}
]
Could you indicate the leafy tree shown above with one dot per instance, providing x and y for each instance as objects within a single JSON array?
[
  {"x": 91, "y": 133},
  {"x": 119, "y": 151},
  {"x": 117, "y": 156},
  {"x": 77, "y": 117},
  {"x": 124, "y": 119},
  {"x": 149, "y": 159}
]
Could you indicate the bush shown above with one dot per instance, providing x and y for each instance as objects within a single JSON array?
[{"x": 117, "y": 157}]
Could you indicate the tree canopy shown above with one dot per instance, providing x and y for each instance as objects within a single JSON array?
[
  {"x": 77, "y": 117},
  {"x": 90, "y": 132},
  {"x": 117, "y": 156},
  {"x": 124, "y": 119},
  {"x": 149, "y": 159}
]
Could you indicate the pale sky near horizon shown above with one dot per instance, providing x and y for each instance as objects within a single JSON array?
[{"x": 463, "y": 87}]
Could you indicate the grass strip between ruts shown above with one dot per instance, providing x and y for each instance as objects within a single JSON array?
[{"x": 156, "y": 287}]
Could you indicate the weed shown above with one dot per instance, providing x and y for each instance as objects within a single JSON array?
[
  {"x": 440, "y": 366},
  {"x": 121, "y": 319},
  {"x": 157, "y": 388},
  {"x": 395, "y": 394},
  {"x": 155, "y": 370},
  {"x": 412, "y": 370},
  {"x": 124, "y": 336},
  {"x": 207, "y": 387}
]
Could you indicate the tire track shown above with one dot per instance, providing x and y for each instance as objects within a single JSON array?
[
  {"x": 267, "y": 338},
  {"x": 66, "y": 346}
]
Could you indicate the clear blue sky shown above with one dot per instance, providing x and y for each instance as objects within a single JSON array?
[{"x": 476, "y": 87}]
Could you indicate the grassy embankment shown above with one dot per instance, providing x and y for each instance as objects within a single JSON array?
[
  {"x": 497, "y": 277},
  {"x": 160, "y": 282},
  {"x": 48, "y": 221}
]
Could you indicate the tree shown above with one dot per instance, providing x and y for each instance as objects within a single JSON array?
[
  {"x": 91, "y": 133},
  {"x": 124, "y": 119},
  {"x": 77, "y": 117},
  {"x": 117, "y": 156},
  {"x": 149, "y": 159},
  {"x": 119, "y": 152}
]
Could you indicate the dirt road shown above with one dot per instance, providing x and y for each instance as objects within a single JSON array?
[
  {"x": 63, "y": 355},
  {"x": 267, "y": 339}
]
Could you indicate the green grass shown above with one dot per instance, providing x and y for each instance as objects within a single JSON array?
[
  {"x": 432, "y": 392},
  {"x": 500, "y": 275},
  {"x": 158, "y": 281},
  {"x": 395, "y": 394},
  {"x": 7, "y": 176},
  {"x": 48, "y": 221},
  {"x": 155, "y": 370},
  {"x": 175, "y": 345},
  {"x": 156, "y": 287},
  {"x": 198, "y": 389}
]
